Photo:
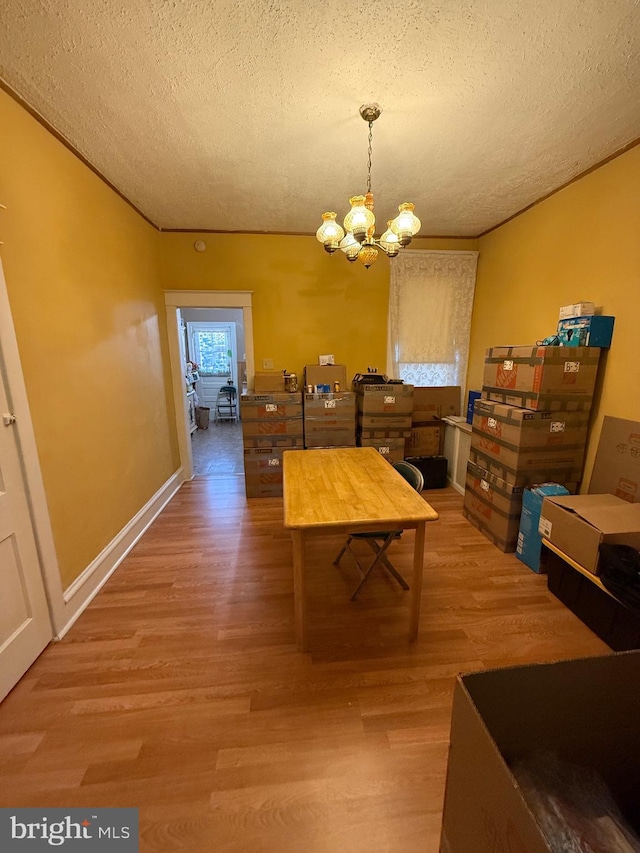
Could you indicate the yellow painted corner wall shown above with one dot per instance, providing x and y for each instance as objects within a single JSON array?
[
  {"x": 581, "y": 244},
  {"x": 82, "y": 275},
  {"x": 306, "y": 302}
]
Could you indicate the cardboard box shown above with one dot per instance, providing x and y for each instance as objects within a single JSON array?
[
  {"x": 263, "y": 471},
  {"x": 523, "y": 447},
  {"x": 576, "y": 309},
  {"x": 493, "y": 506},
  {"x": 274, "y": 417},
  {"x": 271, "y": 406},
  {"x": 578, "y": 524},
  {"x": 391, "y": 448},
  {"x": 383, "y": 432},
  {"x": 435, "y": 402},
  {"x": 340, "y": 406},
  {"x": 326, "y": 374},
  {"x": 529, "y": 539},
  {"x": 594, "y": 331},
  {"x": 425, "y": 440},
  {"x": 386, "y": 399},
  {"x": 336, "y": 436},
  {"x": 399, "y": 423},
  {"x": 586, "y": 711},
  {"x": 267, "y": 381},
  {"x": 616, "y": 470},
  {"x": 541, "y": 378}
]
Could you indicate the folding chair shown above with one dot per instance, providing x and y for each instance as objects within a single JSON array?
[
  {"x": 379, "y": 541},
  {"x": 227, "y": 404}
]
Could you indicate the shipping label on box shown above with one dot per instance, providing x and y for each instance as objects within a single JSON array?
[
  {"x": 391, "y": 448},
  {"x": 321, "y": 406},
  {"x": 387, "y": 399},
  {"x": 493, "y": 506},
  {"x": 616, "y": 470},
  {"x": 541, "y": 378}
]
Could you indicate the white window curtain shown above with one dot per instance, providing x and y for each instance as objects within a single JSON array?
[{"x": 430, "y": 304}]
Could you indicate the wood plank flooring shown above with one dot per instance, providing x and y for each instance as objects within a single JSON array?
[{"x": 180, "y": 690}]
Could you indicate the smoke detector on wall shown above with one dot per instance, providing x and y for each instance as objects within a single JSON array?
[{"x": 200, "y": 246}]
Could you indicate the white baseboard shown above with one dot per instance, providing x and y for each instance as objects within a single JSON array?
[
  {"x": 89, "y": 583},
  {"x": 456, "y": 486}
]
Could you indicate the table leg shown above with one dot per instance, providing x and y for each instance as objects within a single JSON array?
[
  {"x": 416, "y": 581},
  {"x": 299, "y": 591}
]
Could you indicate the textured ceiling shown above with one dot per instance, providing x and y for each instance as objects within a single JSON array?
[{"x": 243, "y": 116}]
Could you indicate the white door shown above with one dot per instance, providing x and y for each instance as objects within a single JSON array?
[
  {"x": 213, "y": 348},
  {"x": 25, "y": 628}
]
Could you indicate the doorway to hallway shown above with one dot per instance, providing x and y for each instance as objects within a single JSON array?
[{"x": 216, "y": 450}]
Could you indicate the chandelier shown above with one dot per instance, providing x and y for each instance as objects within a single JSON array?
[{"x": 359, "y": 242}]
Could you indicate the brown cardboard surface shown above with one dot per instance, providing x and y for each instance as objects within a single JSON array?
[
  {"x": 268, "y": 380},
  {"x": 384, "y": 421},
  {"x": 326, "y": 374},
  {"x": 493, "y": 506},
  {"x": 541, "y": 377},
  {"x": 391, "y": 448},
  {"x": 616, "y": 469},
  {"x": 577, "y": 524},
  {"x": 435, "y": 402},
  {"x": 584, "y": 710},
  {"x": 425, "y": 440},
  {"x": 388, "y": 399},
  {"x": 524, "y": 447},
  {"x": 342, "y": 405}
]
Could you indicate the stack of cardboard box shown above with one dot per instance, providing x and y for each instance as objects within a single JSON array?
[
  {"x": 529, "y": 427},
  {"x": 330, "y": 419},
  {"x": 385, "y": 418},
  {"x": 271, "y": 424},
  {"x": 430, "y": 405}
]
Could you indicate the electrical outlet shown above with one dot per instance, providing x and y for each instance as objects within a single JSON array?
[{"x": 267, "y": 364}]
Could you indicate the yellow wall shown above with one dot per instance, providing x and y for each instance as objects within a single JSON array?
[
  {"x": 580, "y": 244},
  {"x": 82, "y": 276},
  {"x": 306, "y": 302}
]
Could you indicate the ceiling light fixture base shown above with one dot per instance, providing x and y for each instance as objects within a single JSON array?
[{"x": 370, "y": 112}]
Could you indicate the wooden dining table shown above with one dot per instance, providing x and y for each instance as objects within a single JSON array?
[{"x": 349, "y": 489}]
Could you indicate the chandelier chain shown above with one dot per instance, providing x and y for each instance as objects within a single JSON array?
[{"x": 370, "y": 150}]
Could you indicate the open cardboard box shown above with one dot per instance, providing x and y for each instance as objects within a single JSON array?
[
  {"x": 578, "y": 524},
  {"x": 584, "y": 711}
]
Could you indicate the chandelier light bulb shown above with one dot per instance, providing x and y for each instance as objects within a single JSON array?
[
  {"x": 406, "y": 225},
  {"x": 330, "y": 232},
  {"x": 350, "y": 247},
  {"x": 390, "y": 242},
  {"x": 359, "y": 219}
]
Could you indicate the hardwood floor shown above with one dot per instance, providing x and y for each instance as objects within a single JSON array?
[{"x": 180, "y": 690}]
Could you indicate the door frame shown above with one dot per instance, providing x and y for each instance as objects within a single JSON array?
[
  {"x": 175, "y": 300},
  {"x": 36, "y": 496}
]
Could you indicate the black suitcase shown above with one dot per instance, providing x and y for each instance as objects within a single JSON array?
[{"x": 433, "y": 468}]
